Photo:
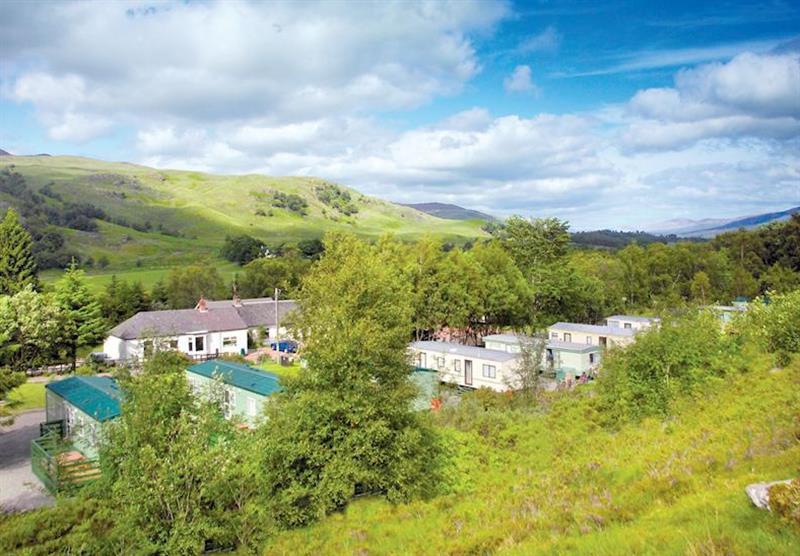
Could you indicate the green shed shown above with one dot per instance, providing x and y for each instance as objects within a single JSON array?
[
  {"x": 82, "y": 404},
  {"x": 245, "y": 389}
]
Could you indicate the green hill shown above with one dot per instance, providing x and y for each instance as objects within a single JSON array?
[{"x": 161, "y": 218}]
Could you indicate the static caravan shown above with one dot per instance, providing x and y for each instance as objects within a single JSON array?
[
  {"x": 570, "y": 358},
  {"x": 504, "y": 342},
  {"x": 467, "y": 366},
  {"x": 245, "y": 389},
  {"x": 83, "y": 404},
  {"x": 591, "y": 334},
  {"x": 632, "y": 322}
]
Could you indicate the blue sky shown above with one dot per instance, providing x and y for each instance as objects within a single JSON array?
[{"x": 613, "y": 114}]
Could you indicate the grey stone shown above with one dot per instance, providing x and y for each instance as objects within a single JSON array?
[{"x": 759, "y": 493}]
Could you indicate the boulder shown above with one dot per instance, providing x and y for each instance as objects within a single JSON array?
[{"x": 759, "y": 493}]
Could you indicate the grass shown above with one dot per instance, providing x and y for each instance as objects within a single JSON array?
[
  {"x": 557, "y": 483},
  {"x": 203, "y": 208},
  {"x": 26, "y": 397},
  {"x": 277, "y": 369},
  {"x": 96, "y": 280}
]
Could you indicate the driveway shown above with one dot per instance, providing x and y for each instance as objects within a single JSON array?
[{"x": 19, "y": 488}]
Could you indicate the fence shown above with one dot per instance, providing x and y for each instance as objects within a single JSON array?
[{"x": 60, "y": 468}]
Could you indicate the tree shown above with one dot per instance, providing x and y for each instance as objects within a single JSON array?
[
  {"x": 83, "y": 323},
  {"x": 700, "y": 286},
  {"x": 17, "y": 263},
  {"x": 526, "y": 375},
  {"x": 536, "y": 242},
  {"x": 346, "y": 425},
  {"x": 242, "y": 249},
  {"x": 185, "y": 286},
  {"x": 261, "y": 276},
  {"x": 169, "y": 465},
  {"x": 31, "y": 327}
]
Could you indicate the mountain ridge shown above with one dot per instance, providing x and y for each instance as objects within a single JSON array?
[{"x": 449, "y": 211}]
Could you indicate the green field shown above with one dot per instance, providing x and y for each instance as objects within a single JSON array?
[
  {"x": 96, "y": 280},
  {"x": 557, "y": 483},
  {"x": 188, "y": 214}
]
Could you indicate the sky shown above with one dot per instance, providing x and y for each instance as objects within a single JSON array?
[{"x": 607, "y": 114}]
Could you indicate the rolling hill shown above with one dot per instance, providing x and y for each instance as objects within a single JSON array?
[
  {"x": 161, "y": 218},
  {"x": 450, "y": 212}
]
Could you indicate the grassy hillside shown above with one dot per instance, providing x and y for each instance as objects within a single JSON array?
[
  {"x": 162, "y": 218},
  {"x": 559, "y": 484}
]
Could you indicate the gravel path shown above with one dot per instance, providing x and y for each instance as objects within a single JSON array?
[{"x": 20, "y": 490}]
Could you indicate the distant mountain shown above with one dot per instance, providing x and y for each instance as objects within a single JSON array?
[
  {"x": 710, "y": 227},
  {"x": 450, "y": 212},
  {"x": 5, "y": 153}
]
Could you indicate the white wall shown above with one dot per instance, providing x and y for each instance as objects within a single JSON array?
[
  {"x": 592, "y": 338},
  {"x": 455, "y": 374},
  {"x": 213, "y": 343},
  {"x": 502, "y": 346}
]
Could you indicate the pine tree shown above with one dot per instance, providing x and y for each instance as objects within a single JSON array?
[
  {"x": 17, "y": 264},
  {"x": 83, "y": 318}
]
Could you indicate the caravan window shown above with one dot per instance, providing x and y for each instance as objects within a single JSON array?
[
  {"x": 457, "y": 365},
  {"x": 489, "y": 371}
]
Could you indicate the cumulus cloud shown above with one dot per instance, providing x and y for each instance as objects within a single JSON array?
[
  {"x": 520, "y": 81},
  {"x": 222, "y": 61},
  {"x": 752, "y": 95}
]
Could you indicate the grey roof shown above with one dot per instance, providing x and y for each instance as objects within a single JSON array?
[
  {"x": 506, "y": 338},
  {"x": 593, "y": 329},
  {"x": 466, "y": 351},
  {"x": 571, "y": 346},
  {"x": 221, "y": 316},
  {"x": 633, "y": 318}
]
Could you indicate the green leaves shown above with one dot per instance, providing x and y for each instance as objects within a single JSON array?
[{"x": 17, "y": 263}]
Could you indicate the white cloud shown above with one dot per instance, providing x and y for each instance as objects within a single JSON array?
[
  {"x": 752, "y": 95},
  {"x": 225, "y": 61},
  {"x": 547, "y": 41},
  {"x": 520, "y": 81}
]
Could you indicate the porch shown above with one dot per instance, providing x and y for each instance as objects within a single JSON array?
[{"x": 58, "y": 464}]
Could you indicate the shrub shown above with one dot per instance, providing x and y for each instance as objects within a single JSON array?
[{"x": 784, "y": 499}]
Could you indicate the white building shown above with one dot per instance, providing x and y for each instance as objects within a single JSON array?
[
  {"x": 632, "y": 322},
  {"x": 562, "y": 358},
  {"x": 212, "y": 328},
  {"x": 469, "y": 366}
]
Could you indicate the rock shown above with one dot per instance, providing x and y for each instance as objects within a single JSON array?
[{"x": 759, "y": 493}]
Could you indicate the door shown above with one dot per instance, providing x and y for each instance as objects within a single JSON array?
[{"x": 468, "y": 372}]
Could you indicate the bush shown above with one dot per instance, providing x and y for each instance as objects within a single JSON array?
[
  {"x": 775, "y": 323},
  {"x": 644, "y": 378},
  {"x": 784, "y": 500}
]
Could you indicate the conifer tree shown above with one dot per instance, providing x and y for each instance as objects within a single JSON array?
[
  {"x": 17, "y": 264},
  {"x": 83, "y": 318}
]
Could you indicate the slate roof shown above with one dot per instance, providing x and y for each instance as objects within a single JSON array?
[
  {"x": 593, "y": 329},
  {"x": 466, "y": 351},
  {"x": 220, "y": 317},
  {"x": 241, "y": 376},
  {"x": 97, "y": 396}
]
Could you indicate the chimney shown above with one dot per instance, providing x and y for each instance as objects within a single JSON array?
[{"x": 202, "y": 306}]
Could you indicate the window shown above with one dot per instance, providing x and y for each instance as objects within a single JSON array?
[
  {"x": 589, "y": 340},
  {"x": 591, "y": 358},
  {"x": 627, "y": 325},
  {"x": 228, "y": 341},
  {"x": 199, "y": 343},
  {"x": 251, "y": 407},
  {"x": 554, "y": 335},
  {"x": 457, "y": 365},
  {"x": 567, "y": 337},
  {"x": 172, "y": 344},
  {"x": 489, "y": 371},
  {"x": 440, "y": 362},
  {"x": 423, "y": 360}
]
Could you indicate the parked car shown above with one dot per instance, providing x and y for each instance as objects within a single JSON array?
[{"x": 287, "y": 346}]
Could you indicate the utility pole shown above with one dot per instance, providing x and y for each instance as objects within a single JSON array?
[{"x": 277, "y": 324}]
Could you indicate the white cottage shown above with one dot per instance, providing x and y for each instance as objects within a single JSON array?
[
  {"x": 467, "y": 366},
  {"x": 210, "y": 329}
]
